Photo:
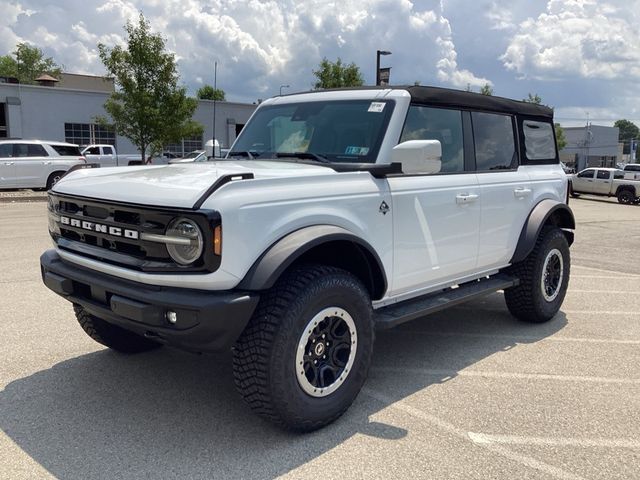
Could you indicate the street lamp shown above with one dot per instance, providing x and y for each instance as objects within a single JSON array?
[
  {"x": 283, "y": 86},
  {"x": 378, "y": 53}
]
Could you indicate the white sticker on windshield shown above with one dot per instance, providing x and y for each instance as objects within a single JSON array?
[{"x": 376, "y": 107}]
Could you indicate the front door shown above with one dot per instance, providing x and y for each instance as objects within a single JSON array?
[
  {"x": 583, "y": 182},
  {"x": 7, "y": 166},
  {"x": 436, "y": 218}
]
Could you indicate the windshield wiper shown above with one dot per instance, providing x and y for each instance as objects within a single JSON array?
[
  {"x": 304, "y": 156},
  {"x": 250, "y": 154}
]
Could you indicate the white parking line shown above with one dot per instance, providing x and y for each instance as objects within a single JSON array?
[
  {"x": 448, "y": 374},
  {"x": 605, "y": 271},
  {"x": 601, "y": 291},
  {"x": 525, "y": 460},
  {"x": 517, "y": 338},
  {"x": 484, "y": 438},
  {"x": 573, "y": 312}
]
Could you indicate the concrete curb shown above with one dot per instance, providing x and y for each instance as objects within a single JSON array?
[{"x": 21, "y": 199}]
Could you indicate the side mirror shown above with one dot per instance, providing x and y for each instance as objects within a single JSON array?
[{"x": 418, "y": 156}]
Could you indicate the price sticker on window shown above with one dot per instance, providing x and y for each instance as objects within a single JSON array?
[{"x": 376, "y": 107}]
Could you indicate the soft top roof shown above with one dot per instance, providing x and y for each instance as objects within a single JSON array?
[{"x": 446, "y": 97}]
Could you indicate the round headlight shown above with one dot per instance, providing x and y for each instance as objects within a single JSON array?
[{"x": 188, "y": 241}]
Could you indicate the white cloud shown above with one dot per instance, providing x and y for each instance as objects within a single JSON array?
[
  {"x": 258, "y": 44},
  {"x": 583, "y": 38}
]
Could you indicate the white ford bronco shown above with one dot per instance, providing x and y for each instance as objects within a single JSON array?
[{"x": 335, "y": 213}]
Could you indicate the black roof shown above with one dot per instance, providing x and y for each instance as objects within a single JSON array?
[{"x": 446, "y": 97}]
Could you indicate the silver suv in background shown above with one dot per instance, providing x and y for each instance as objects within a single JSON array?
[{"x": 36, "y": 163}]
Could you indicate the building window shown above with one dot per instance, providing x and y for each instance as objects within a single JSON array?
[
  {"x": 3, "y": 120},
  {"x": 89, "y": 133},
  {"x": 187, "y": 145}
]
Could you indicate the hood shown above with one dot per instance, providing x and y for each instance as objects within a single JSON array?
[{"x": 177, "y": 185}]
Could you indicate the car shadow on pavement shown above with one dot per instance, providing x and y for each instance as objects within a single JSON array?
[{"x": 168, "y": 414}]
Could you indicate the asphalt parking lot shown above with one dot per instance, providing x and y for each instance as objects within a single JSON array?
[{"x": 468, "y": 393}]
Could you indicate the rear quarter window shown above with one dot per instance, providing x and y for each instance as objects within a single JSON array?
[
  {"x": 539, "y": 140},
  {"x": 67, "y": 150}
]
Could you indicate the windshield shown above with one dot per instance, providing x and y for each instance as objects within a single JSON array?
[
  {"x": 337, "y": 131},
  {"x": 193, "y": 154}
]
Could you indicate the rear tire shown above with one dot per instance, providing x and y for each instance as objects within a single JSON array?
[
  {"x": 53, "y": 179},
  {"x": 544, "y": 278},
  {"x": 112, "y": 336},
  {"x": 305, "y": 353},
  {"x": 626, "y": 197}
]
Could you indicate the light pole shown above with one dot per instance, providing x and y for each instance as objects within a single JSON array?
[
  {"x": 283, "y": 86},
  {"x": 378, "y": 53},
  {"x": 215, "y": 91}
]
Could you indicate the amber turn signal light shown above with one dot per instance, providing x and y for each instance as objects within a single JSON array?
[{"x": 217, "y": 240}]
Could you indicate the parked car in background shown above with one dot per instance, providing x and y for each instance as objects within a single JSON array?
[
  {"x": 106, "y": 156},
  {"x": 610, "y": 182},
  {"x": 195, "y": 156},
  {"x": 36, "y": 163},
  {"x": 632, "y": 171}
]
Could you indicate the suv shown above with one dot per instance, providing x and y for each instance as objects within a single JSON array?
[
  {"x": 335, "y": 213},
  {"x": 36, "y": 164}
]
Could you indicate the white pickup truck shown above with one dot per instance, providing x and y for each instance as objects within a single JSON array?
[
  {"x": 106, "y": 156},
  {"x": 610, "y": 182}
]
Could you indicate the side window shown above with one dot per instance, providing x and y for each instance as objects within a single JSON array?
[
  {"x": 618, "y": 174},
  {"x": 586, "y": 174},
  {"x": 6, "y": 150},
  {"x": 20, "y": 150},
  {"x": 109, "y": 151},
  {"x": 425, "y": 123},
  {"x": 603, "y": 175},
  {"x": 93, "y": 151},
  {"x": 494, "y": 141},
  {"x": 36, "y": 150},
  {"x": 539, "y": 141}
]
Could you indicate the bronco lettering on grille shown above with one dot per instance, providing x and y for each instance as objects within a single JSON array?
[{"x": 100, "y": 228}]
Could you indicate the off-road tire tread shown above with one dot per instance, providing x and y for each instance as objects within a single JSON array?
[
  {"x": 112, "y": 336},
  {"x": 251, "y": 352},
  {"x": 520, "y": 300}
]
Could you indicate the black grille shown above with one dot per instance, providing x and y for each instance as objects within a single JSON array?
[{"x": 130, "y": 252}]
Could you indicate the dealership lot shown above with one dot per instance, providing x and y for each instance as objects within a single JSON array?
[{"x": 466, "y": 393}]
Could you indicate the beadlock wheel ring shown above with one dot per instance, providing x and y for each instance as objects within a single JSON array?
[
  {"x": 552, "y": 275},
  {"x": 326, "y": 352}
]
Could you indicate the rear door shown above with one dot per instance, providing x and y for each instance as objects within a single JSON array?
[
  {"x": 33, "y": 165},
  {"x": 7, "y": 166},
  {"x": 602, "y": 182},
  {"x": 505, "y": 188},
  {"x": 109, "y": 158}
]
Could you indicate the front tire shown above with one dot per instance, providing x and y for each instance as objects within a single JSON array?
[
  {"x": 544, "y": 278},
  {"x": 305, "y": 353},
  {"x": 112, "y": 336}
]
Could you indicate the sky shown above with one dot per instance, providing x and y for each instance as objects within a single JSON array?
[{"x": 580, "y": 56}]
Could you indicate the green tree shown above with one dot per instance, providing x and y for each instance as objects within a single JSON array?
[
  {"x": 336, "y": 75},
  {"x": 486, "y": 90},
  {"x": 207, "y": 92},
  {"x": 628, "y": 131},
  {"x": 148, "y": 107},
  {"x": 27, "y": 63},
  {"x": 561, "y": 140},
  {"x": 535, "y": 98}
]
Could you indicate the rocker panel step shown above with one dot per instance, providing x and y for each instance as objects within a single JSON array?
[{"x": 393, "y": 315}]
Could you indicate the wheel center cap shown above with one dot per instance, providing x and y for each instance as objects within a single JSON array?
[{"x": 319, "y": 349}]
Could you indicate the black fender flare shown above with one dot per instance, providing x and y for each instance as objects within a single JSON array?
[
  {"x": 546, "y": 210},
  {"x": 283, "y": 253}
]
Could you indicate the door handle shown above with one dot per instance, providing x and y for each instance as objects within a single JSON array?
[
  {"x": 46, "y": 163},
  {"x": 463, "y": 198},
  {"x": 8, "y": 163},
  {"x": 522, "y": 192}
]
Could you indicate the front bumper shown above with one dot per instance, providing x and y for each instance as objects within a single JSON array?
[{"x": 206, "y": 320}]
